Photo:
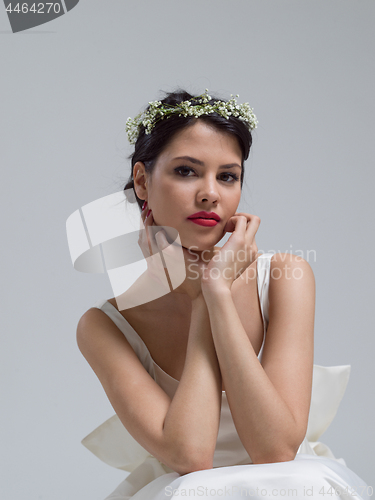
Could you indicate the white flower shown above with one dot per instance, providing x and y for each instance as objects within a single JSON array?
[{"x": 158, "y": 111}]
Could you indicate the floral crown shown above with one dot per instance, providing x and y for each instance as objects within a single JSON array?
[{"x": 197, "y": 106}]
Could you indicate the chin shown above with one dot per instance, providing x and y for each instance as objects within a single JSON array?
[
  {"x": 200, "y": 242},
  {"x": 197, "y": 245},
  {"x": 195, "y": 242}
]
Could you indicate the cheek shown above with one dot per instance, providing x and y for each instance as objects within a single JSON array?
[
  {"x": 173, "y": 198},
  {"x": 166, "y": 208},
  {"x": 234, "y": 201}
]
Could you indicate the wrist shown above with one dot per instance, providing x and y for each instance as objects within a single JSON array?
[
  {"x": 219, "y": 286},
  {"x": 216, "y": 291},
  {"x": 198, "y": 300}
]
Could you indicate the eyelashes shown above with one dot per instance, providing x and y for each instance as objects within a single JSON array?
[{"x": 234, "y": 177}]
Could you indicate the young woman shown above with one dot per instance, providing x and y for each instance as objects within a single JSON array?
[{"x": 212, "y": 381}]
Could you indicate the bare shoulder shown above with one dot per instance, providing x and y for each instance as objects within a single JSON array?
[
  {"x": 87, "y": 328},
  {"x": 288, "y": 258},
  {"x": 292, "y": 283},
  {"x": 103, "y": 344},
  {"x": 290, "y": 267},
  {"x": 84, "y": 327}
]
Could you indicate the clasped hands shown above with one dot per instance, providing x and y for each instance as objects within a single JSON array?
[{"x": 205, "y": 274}]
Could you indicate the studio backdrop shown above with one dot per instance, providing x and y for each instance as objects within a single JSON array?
[{"x": 70, "y": 79}]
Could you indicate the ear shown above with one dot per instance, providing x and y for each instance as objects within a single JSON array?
[{"x": 140, "y": 177}]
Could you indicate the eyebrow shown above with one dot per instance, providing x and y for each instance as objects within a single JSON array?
[{"x": 199, "y": 162}]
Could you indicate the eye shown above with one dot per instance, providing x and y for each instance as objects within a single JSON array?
[
  {"x": 183, "y": 168},
  {"x": 183, "y": 171},
  {"x": 233, "y": 177}
]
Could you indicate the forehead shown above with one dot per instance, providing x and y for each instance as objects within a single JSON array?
[{"x": 205, "y": 140}]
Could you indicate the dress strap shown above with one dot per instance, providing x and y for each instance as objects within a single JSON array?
[
  {"x": 131, "y": 335},
  {"x": 263, "y": 280}
]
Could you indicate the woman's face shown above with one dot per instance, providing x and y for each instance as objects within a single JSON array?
[{"x": 199, "y": 170}]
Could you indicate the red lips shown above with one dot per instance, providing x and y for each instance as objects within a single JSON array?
[{"x": 205, "y": 215}]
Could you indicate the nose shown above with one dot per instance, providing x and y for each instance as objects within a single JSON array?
[{"x": 209, "y": 190}]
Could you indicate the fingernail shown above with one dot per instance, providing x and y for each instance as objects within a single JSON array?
[
  {"x": 144, "y": 205},
  {"x": 148, "y": 213}
]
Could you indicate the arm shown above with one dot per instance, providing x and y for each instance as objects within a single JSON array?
[
  {"x": 181, "y": 432},
  {"x": 269, "y": 401},
  {"x": 193, "y": 418}
]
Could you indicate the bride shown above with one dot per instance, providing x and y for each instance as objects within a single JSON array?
[{"x": 219, "y": 399}]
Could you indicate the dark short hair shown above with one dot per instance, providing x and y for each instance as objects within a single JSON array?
[{"x": 148, "y": 147}]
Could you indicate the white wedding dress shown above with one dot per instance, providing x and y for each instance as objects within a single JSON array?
[{"x": 314, "y": 472}]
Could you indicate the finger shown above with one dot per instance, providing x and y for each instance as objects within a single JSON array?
[
  {"x": 253, "y": 221},
  {"x": 150, "y": 229},
  {"x": 161, "y": 240},
  {"x": 143, "y": 214},
  {"x": 244, "y": 214},
  {"x": 142, "y": 221},
  {"x": 252, "y": 226},
  {"x": 143, "y": 241},
  {"x": 247, "y": 225},
  {"x": 148, "y": 221},
  {"x": 236, "y": 223},
  {"x": 249, "y": 217},
  {"x": 148, "y": 216}
]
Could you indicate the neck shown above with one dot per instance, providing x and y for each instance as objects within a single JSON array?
[{"x": 204, "y": 255}]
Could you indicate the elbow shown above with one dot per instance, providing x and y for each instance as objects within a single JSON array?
[
  {"x": 193, "y": 462},
  {"x": 187, "y": 455},
  {"x": 285, "y": 454},
  {"x": 274, "y": 458},
  {"x": 283, "y": 449},
  {"x": 194, "y": 467}
]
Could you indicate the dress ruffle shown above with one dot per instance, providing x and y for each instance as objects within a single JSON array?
[{"x": 115, "y": 446}]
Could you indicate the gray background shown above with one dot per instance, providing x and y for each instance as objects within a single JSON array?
[{"x": 67, "y": 87}]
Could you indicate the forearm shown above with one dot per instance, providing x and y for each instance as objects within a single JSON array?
[
  {"x": 263, "y": 421},
  {"x": 192, "y": 420}
]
